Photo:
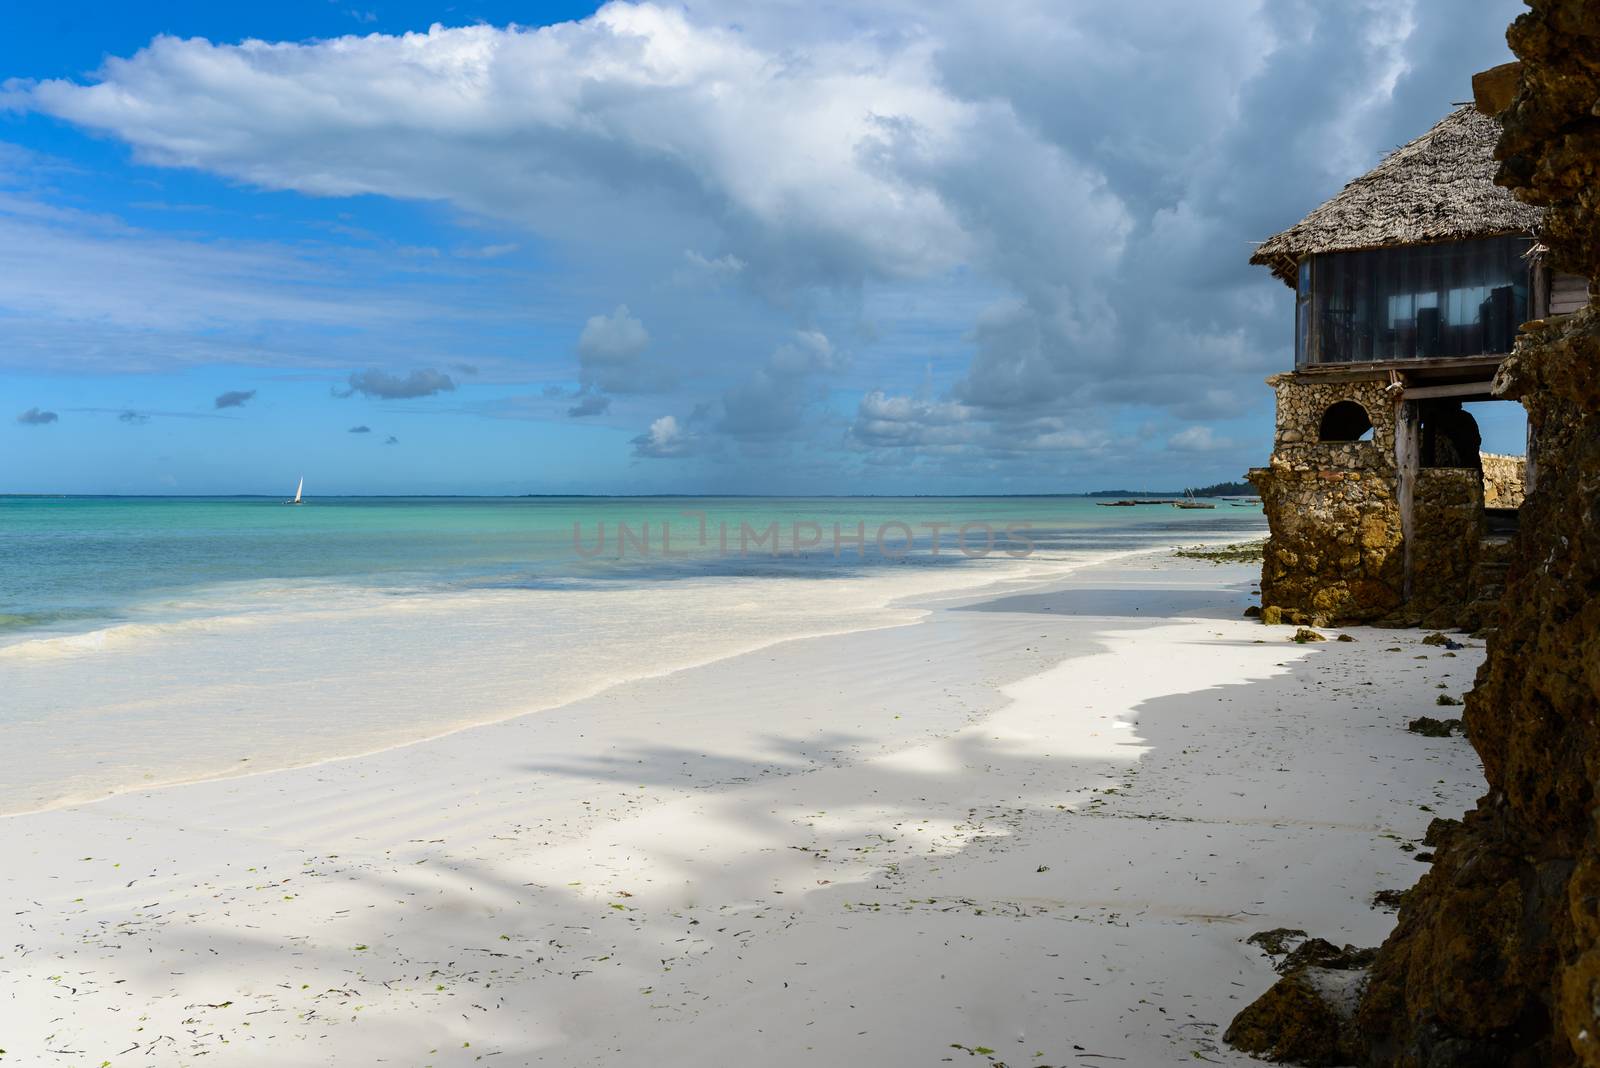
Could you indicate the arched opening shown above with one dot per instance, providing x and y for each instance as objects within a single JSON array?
[{"x": 1345, "y": 421}]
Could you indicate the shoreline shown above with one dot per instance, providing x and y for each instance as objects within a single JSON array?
[
  {"x": 1037, "y": 814},
  {"x": 1056, "y": 570}
]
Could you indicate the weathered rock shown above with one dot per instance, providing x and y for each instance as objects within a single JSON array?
[
  {"x": 1495, "y": 959},
  {"x": 1306, "y": 1017},
  {"x": 1306, "y": 634},
  {"x": 1388, "y": 899},
  {"x": 1277, "y": 942},
  {"x": 1320, "y": 953},
  {"x": 1493, "y": 89},
  {"x": 1429, "y": 727}
]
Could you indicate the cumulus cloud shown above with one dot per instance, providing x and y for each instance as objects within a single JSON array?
[
  {"x": 36, "y": 417},
  {"x": 884, "y": 421},
  {"x": 639, "y": 96},
  {"x": 234, "y": 398},
  {"x": 611, "y": 355},
  {"x": 359, "y": 430},
  {"x": 386, "y": 386},
  {"x": 1055, "y": 203},
  {"x": 665, "y": 440}
]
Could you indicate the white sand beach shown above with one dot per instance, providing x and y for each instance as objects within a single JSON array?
[{"x": 1034, "y": 828}]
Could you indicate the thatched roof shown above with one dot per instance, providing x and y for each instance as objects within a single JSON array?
[{"x": 1439, "y": 187}]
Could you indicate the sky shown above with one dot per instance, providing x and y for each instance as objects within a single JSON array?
[{"x": 783, "y": 247}]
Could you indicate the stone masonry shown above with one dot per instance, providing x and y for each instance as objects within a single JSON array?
[{"x": 1335, "y": 551}]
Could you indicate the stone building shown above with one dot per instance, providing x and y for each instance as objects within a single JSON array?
[{"x": 1410, "y": 287}]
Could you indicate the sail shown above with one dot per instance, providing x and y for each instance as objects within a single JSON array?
[{"x": 299, "y": 489}]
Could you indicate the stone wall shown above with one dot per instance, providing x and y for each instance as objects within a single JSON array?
[
  {"x": 1334, "y": 550},
  {"x": 1302, "y": 400},
  {"x": 1504, "y": 480},
  {"x": 1446, "y": 527}
]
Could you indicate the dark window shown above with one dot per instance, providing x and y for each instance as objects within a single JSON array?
[
  {"x": 1465, "y": 298},
  {"x": 1344, "y": 421}
]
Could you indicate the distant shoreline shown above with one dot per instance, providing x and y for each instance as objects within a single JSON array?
[{"x": 1089, "y": 494}]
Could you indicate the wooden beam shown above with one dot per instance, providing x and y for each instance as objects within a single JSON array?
[
  {"x": 1407, "y": 446},
  {"x": 1406, "y": 365},
  {"x": 1458, "y": 389}
]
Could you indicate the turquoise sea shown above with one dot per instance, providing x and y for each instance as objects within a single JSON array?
[{"x": 151, "y": 640}]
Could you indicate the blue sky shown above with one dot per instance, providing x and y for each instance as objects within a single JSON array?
[{"x": 780, "y": 247}]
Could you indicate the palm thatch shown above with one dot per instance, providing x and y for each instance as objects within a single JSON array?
[{"x": 1439, "y": 187}]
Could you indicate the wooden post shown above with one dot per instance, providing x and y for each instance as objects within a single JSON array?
[
  {"x": 1530, "y": 474},
  {"x": 1407, "y": 426},
  {"x": 1540, "y": 304}
]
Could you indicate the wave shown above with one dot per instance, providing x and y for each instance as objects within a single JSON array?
[{"x": 116, "y": 636}]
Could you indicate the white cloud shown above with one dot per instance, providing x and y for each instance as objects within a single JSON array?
[
  {"x": 665, "y": 440},
  {"x": 610, "y": 352},
  {"x": 885, "y": 421},
  {"x": 522, "y": 124},
  {"x": 1051, "y": 200}
]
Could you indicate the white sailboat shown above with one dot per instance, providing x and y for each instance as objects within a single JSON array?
[{"x": 298, "y": 490}]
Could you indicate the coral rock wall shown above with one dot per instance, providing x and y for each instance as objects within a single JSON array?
[
  {"x": 1334, "y": 551},
  {"x": 1446, "y": 528},
  {"x": 1302, "y": 401}
]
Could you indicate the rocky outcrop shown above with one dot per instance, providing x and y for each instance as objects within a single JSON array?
[
  {"x": 1495, "y": 959},
  {"x": 1306, "y": 1017}
]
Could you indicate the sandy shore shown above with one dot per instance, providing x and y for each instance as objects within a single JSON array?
[{"x": 1033, "y": 829}]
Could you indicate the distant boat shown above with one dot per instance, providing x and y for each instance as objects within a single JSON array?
[
  {"x": 1189, "y": 502},
  {"x": 298, "y": 491}
]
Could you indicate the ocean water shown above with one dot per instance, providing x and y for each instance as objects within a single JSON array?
[{"x": 146, "y": 641}]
